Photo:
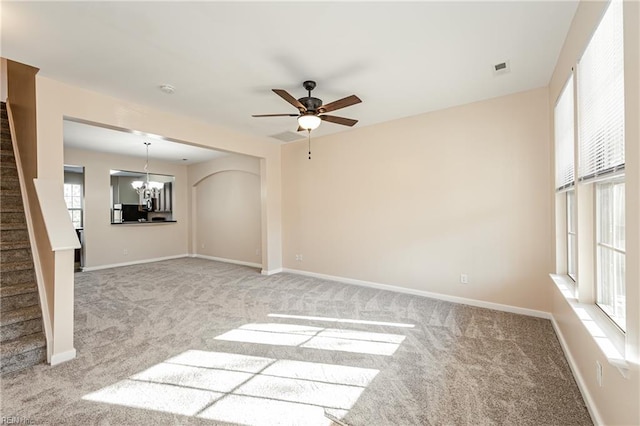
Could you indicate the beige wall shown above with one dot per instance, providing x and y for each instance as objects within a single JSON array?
[
  {"x": 3, "y": 80},
  {"x": 616, "y": 401},
  {"x": 105, "y": 244},
  {"x": 416, "y": 202},
  {"x": 226, "y": 206}
]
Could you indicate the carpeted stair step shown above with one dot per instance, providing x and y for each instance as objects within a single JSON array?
[
  {"x": 22, "y": 353},
  {"x": 5, "y": 142},
  {"x": 18, "y": 289},
  {"x": 20, "y": 329},
  {"x": 12, "y": 235},
  {"x": 5, "y": 133},
  {"x": 20, "y": 322},
  {"x": 11, "y": 195},
  {"x": 19, "y": 301},
  {"x": 7, "y": 193},
  {"x": 12, "y": 217},
  {"x": 14, "y": 226},
  {"x": 8, "y": 168},
  {"x": 9, "y": 183},
  {"x": 20, "y": 276},
  {"x": 7, "y": 155},
  {"x": 19, "y": 315},
  {"x": 11, "y": 204},
  {"x": 11, "y": 245},
  {"x": 8, "y": 171},
  {"x": 23, "y": 265},
  {"x": 15, "y": 255}
]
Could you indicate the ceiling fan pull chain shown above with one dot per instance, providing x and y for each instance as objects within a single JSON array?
[{"x": 309, "y": 130}]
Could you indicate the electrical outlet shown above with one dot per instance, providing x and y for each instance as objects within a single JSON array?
[
  {"x": 599, "y": 373},
  {"x": 257, "y": 252},
  {"x": 125, "y": 252},
  {"x": 464, "y": 279},
  {"x": 202, "y": 245},
  {"x": 298, "y": 258}
]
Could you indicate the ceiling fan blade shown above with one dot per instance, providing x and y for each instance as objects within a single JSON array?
[
  {"x": 275, "y": 115},
  {"x": 338, "y": 120},
  {"x": 287, "y": 97},
  {"x": 300, "y": 129},
  {"x": 340, "y": 103}
]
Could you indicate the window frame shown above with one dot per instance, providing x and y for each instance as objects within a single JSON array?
[
  {"x": 69, "y": 203},
  {"x": 619, "y": 322},
  {"x": 572, "y": 234}
]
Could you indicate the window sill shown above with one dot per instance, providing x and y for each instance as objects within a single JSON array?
[{"x": 609, "y": 339}]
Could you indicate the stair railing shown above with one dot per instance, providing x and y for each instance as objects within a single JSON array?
[{"x": 62, "y": 241}]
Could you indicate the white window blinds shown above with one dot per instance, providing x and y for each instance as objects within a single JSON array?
[
  {"x": 601, "y": 98},
  {"x": 563, "y": 128}
]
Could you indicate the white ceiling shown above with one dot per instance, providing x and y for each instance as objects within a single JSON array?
[
  {"x": 95, "y": 138},
  {"x": 400, "y": 58}
]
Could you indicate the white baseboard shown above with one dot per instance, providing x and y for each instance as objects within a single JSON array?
[
  {"x": 591, "y": 406},
  {"x": 221, "y": 259},
  {"x": 439, "y": 296},
  {"x": 271, "y": 271},
  {"x": 63, "y": 357},
  {"x": 135, "y": 262}
]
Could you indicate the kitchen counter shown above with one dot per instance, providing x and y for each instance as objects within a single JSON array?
[{"x": 148, "y": 222}]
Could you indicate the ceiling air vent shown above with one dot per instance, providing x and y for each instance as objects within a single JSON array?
[
  {"x": 501, "y": 68},
  {"x": 289, "y": 136}
]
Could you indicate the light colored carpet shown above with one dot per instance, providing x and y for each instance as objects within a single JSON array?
[{"x": 191, "y": 341}]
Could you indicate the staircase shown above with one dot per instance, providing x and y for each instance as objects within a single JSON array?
[{"x": 22, "y": 341}]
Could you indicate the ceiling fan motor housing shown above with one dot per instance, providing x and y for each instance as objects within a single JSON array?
[{"x": 310, "y": 103}]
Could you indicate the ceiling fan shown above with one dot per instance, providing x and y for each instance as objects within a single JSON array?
[{"x": 312, "y": 110}]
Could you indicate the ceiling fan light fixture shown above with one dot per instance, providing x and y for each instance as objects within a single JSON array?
[{"x": 309, "y": 121}]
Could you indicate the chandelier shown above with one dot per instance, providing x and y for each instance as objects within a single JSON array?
[{"x": 148, "y": 189}]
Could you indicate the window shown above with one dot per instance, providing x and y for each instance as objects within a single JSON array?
[
  {"x": 610, "y": 242},
  {"x": 572, "y": 247},
  {"x": 73, "y": 198},
  {"x": 601, "y": 153}
]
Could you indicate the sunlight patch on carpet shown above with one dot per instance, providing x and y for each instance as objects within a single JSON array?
[
  {"x": 316, "y": 338},
  {"x": 221, "y": 360},
  {"x": 342, "y": 320},
  {"x": 155, "y": 396},
  {"x": 248, "y": 410},
  {"x": 193, "y": 377},
  {"x": 241, "y": 389}
]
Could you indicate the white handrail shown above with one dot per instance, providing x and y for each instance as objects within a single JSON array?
[{"x": 62, "y": 235}]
